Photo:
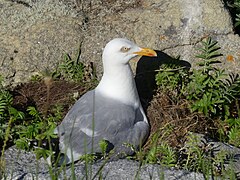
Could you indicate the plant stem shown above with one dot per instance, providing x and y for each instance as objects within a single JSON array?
[{"x": 2, "y": 161}]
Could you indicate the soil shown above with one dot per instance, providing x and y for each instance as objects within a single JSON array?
[{"x": 36, "y": 94}]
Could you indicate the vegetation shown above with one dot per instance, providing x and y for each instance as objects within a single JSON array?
[
  {"x": 30, "y": 128},
  {"x": 209, "y": 90},
  {"x": 72, "y": 69},
  {"x": 234, "y": 7},
  {"x": 206, "y": 92}
]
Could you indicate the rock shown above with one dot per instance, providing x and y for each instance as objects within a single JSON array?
[
  {"x": 233, "y": 153},
  {"x": 35, "y": 34},
  {"x": 19, "y": 163},
  {"x": 175, "y": 27},
  {"x": 23, "y": 165}
]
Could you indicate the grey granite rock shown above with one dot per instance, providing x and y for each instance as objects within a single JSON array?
[
  {"x": 35, "y": 34},
  {"x": 23, "y": 165},
  {"x": 233, "y": 153}
]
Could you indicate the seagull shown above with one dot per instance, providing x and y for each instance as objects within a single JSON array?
[{"x": 111, "y": 112}]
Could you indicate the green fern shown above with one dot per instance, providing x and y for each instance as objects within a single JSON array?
[
  {"x": 34, "y": 113},
  {"x": 236, "y": 5},
  {"x": 7, "y": 112},
  {"x": 103, "y": 146},
  {"x": 209, "y": 90},
  {"x": 152, "y": 156},
  {"x": 72, "y": 69},
  {"x": 169, "y": 157},
  {"x": 3, "y": 105},
  {"x": 88, "y": 158},
  {"x": 209, "y": 50},
  {"x": 234, "y": 136},
  {"x": 48, "y": 133},
  {"x": 172, "y": 78},
  {"x": 37, "y": 128},
  {"x": 199, "y": 158}
]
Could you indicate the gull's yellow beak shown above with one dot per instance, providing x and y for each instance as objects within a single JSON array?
[{"x": 146, "y": 52}]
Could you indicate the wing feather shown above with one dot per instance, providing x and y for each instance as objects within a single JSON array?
[{"x": 98, "y": 117}]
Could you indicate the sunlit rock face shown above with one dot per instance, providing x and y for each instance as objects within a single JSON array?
[{"x": 34, "y": 35}]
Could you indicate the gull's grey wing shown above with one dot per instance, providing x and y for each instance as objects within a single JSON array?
[{"x": 94, "y": 118}]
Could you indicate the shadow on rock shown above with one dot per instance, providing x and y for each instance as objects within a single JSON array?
[{"x": 146, "y": 71}]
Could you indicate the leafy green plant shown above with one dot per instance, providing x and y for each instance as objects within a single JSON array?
[
  {"x": 37, "y": 128},
  {"x": 159, "y": 151},
  {"x": 175, "y": 74},
  {"x": 206, "y": 88},
  {"x": 208, "y": 52},
  {"x": 72, "y": 69},
  {"x": 152, "y": 154},
  {"x": 237, "y": 19},
  {"x": 199, "y": 158},
  {"x": 234, "y": 136},
  {"x": 211, "y": 92},
  {"x": 236, "y": 5},
  {"x": 8, "y": 115},
  {"x": 234, "y": 8},
  {"x": 88, "y": 158},
  {"x": 234, "y": 132},
  {"x": 103, "y": 146},
  {"x": 169, "y": 157}
]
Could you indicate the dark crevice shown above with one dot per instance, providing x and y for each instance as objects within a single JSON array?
[
  {"x": 21, "y": 2},
  {"x": 233, "y": 11}
]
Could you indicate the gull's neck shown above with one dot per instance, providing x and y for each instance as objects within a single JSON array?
[{"x": 118, "y": 83}]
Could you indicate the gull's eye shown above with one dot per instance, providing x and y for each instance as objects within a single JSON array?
[{"x": 124, "y": 49}]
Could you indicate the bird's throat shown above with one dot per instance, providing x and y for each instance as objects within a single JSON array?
[{"x": 118, "y": 83}]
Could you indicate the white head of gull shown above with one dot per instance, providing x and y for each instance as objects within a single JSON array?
[{"x": 111, "y": 112}]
